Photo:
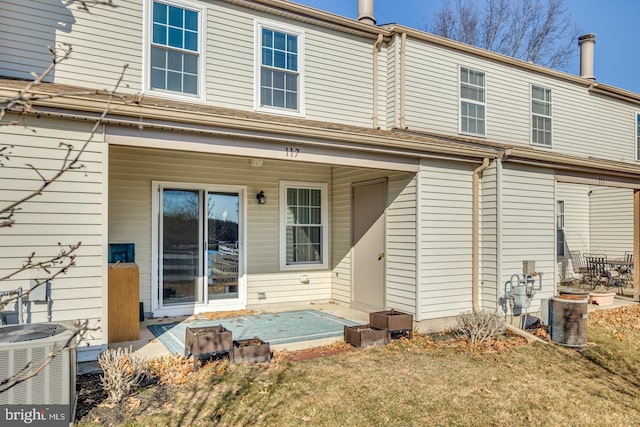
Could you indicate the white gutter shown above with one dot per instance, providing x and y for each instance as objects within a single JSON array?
[
  {"x": 376, "y": 45},
  {"x": 475, "y": 236}
]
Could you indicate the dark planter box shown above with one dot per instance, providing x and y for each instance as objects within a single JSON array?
[
  {"x": 253, "y": 350},
  {"x": 207, "y": 340},
  {"x": 394, "y": 321},
  {"x": 364, "y": 335}
]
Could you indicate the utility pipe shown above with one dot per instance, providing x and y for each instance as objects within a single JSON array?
[
  {"x": 403, "y": 77},
  {"x": 475, "y": 235},
  {"x": 376, "y": 45}
]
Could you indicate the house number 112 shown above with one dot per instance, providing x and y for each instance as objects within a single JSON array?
[{"x": 292, "y": 152}]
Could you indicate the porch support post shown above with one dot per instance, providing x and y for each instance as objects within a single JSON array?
[{"x": 636, "y": 244}]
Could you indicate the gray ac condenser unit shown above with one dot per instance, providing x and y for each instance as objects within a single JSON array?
[{"x": 32, "y": 343}]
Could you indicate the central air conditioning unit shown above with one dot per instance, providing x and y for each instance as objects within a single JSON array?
[{"x": 33, "y": 343}]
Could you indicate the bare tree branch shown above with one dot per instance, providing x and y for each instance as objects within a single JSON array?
[{"x": 532, "y": 30}]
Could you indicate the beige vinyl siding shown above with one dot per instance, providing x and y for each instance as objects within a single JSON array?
[
  {"x": 584, "y": 124},
  {"x": 401, "y": 244},
  {"x": 528, "y": 225},
  {"x": 490, "y": 290},
  {"x": 337, "y": 67},
  {"x": 131, "y": 172},
  {"x": 393, "y": 86},
  {"x": 611, "y": 221},
  {"x": 576, "y": 220},
  {"x": 337, "y": 75},
  {"x": 444, "y": 230},
  {"x": 97, "y": 58},
  {"x": 71, "y": 210},
  {"x": 26, "y": 33}
]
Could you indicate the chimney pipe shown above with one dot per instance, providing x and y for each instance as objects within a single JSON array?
[
  {"x": 587, "y": 43},
  {"x": 365, "y": 12}
]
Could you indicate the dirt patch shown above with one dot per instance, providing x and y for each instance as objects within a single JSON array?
[
  {"x": 214, "y": 315},
  {"x": 312, "y": 353}
]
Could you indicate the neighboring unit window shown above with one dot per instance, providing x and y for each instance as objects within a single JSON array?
[
  {"x": 637, "y": 136},
  {"x": 472, "y": 102},
  {"x": 540, "y": 115},
  {"x": 560, "y": 241},
  {"x": 304, "y": 228},
  {"x": 280, "y": 59},
  {"x": 175, "y": 51}
]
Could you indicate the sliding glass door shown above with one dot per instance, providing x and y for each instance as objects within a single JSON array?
[
  {"x": 222, "y": 245},
  {"x": 199, "y": 250},
  {"x": 181, "y": 246}
]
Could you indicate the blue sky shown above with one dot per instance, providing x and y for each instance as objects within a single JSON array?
[{"x": 617, "y": 56}]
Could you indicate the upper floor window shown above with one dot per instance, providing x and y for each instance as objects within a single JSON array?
[
  {"x": 472, "y": 102},
  {"x": 175, "y": 49},
  {"x": 304, "y": 233},
  {"x": 540, "y": 116},
  {"x": 280, "y": 59},
  {"x": 637, "y": 136}
]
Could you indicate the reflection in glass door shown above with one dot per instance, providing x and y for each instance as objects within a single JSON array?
[
  {"x": 199, "y": 250},
  {"x": 222, "y": 242},
  {"x": 180, "y": 250}
]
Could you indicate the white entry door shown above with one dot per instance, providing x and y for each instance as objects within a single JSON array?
[{"x": 199, "y": 247}]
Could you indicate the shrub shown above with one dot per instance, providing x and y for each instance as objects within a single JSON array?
[
  {"x": 478, "y": 327},
  {"x": 122, "y": 372}
]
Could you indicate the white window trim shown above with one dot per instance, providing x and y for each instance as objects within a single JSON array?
[
  {"x": 637, "y": 134},
  {"x": 323, "y": 187},
  {"x": 486, "y": 122},
  {"x": 146, "y": 57},
  {"x": 531, "y": 114},
  {"x": 239, "y": 303},
  {"x": 258, "y": 25}
]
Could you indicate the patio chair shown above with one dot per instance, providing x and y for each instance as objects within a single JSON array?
[
  {"x": 597, "y": 272},
  {"x": 626, "y": 272},
  {"x": 578, "y": 264}
]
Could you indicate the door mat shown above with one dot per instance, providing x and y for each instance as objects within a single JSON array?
[{"x": 274, "y": 328}]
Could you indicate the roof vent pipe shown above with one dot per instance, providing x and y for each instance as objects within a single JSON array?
[
  {"x": 587, "y": 43},
  {"x": 365, "y": 12}
]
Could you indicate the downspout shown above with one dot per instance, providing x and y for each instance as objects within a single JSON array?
[
  {"x": 403, "y": 72},
  {"x": 376, "y": 45},
  {"x": 498, "y": 227},
  {"x": 475, "y": 236}
]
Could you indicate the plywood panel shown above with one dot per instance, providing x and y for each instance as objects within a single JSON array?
[{"x": 124, "y": 313}]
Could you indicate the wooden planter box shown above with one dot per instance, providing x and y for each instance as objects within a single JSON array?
[
  {"x": 253, "y": 350},
  {"x": 364, "y": 335},
  {"x": 207, "y": 340},
  {"x": 394, "y": 321},
  {"x": 602, "y": 298}
]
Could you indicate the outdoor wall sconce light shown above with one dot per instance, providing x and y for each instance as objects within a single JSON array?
[{"x": 262, "y": 199}]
